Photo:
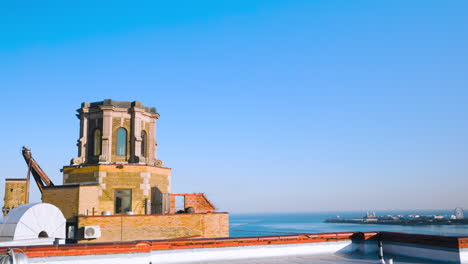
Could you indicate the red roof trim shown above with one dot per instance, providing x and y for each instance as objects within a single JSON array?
[{"x": 169, "y": 244}]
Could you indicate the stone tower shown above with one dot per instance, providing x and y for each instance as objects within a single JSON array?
[
  {"x": 117, "y": 132},
  {"x": 116, "y": 167}
]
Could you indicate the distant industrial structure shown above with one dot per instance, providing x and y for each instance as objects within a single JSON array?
[{"x": 457, "y": 218}]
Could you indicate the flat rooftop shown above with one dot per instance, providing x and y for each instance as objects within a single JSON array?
[
  {"x": 324, "y": 248},
  {"x": 139, "y": 258},
  {"x": 325, "y": 259}
]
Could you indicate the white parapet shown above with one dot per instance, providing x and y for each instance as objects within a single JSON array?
[
  {"x": 202, "y": 255},
  {"x": 444, "y": 254},
  {"x": 248, "y": 252}
]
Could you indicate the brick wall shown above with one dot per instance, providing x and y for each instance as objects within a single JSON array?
[
  {"x": 149, "y": 227},
  {"x": 15, "y": 193},
  {"x": 73, "y": 200},
  {"x": 139, "y": 178},
  {"x": 87, "y": 176},
  {"x": 65, "y": 198},
  {"x": 197, "y": 201},
  {"x": 88, "y": 200}
]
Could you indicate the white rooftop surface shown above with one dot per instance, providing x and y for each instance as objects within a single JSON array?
[
  {"x": 300, "y": 259},
  {"x": 324, "y": 259},
  {"x": 340, "y": 252}
]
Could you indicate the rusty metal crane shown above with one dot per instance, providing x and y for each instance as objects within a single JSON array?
[{"x": 41, "y": 178}]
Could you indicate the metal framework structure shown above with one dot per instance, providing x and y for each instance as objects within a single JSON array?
[{"x": 41, "y": 178}]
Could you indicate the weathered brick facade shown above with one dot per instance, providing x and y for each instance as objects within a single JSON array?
[
  {"x": 197, "y": 201},
  {"x": 73, "y": 200},
  {"x": 15, "y": 194},
  {"x": 145, "y": 227},
  {"x": 138, "y": 178}
]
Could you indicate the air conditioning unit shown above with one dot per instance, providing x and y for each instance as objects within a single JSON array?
[{"x": 92, "y": 232}]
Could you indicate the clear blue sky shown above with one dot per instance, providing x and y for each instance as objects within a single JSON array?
[{"x": 266, "y": 106}]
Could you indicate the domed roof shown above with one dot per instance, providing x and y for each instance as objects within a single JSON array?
[{"x": 29, "y": 220}]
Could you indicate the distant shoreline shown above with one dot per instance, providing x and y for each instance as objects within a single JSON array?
[{"x": 401, "y": 221}]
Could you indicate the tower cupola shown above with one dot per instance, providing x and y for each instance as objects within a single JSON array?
[{"x": 117, "y": 132}]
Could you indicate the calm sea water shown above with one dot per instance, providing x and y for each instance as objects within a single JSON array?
[{"x": 296, "y": 223}]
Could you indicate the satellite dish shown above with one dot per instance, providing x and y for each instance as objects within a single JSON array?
[{"x": 459, "y": 214}]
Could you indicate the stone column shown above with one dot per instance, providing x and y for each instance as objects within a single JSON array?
[
  {"x": 106, "y": 152},
  {"x": 151, "y": 138},
  {"x": 135, "y": 134},
  {"x": 153, "y": 143},
  {"x": 83, "y": 140}
]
